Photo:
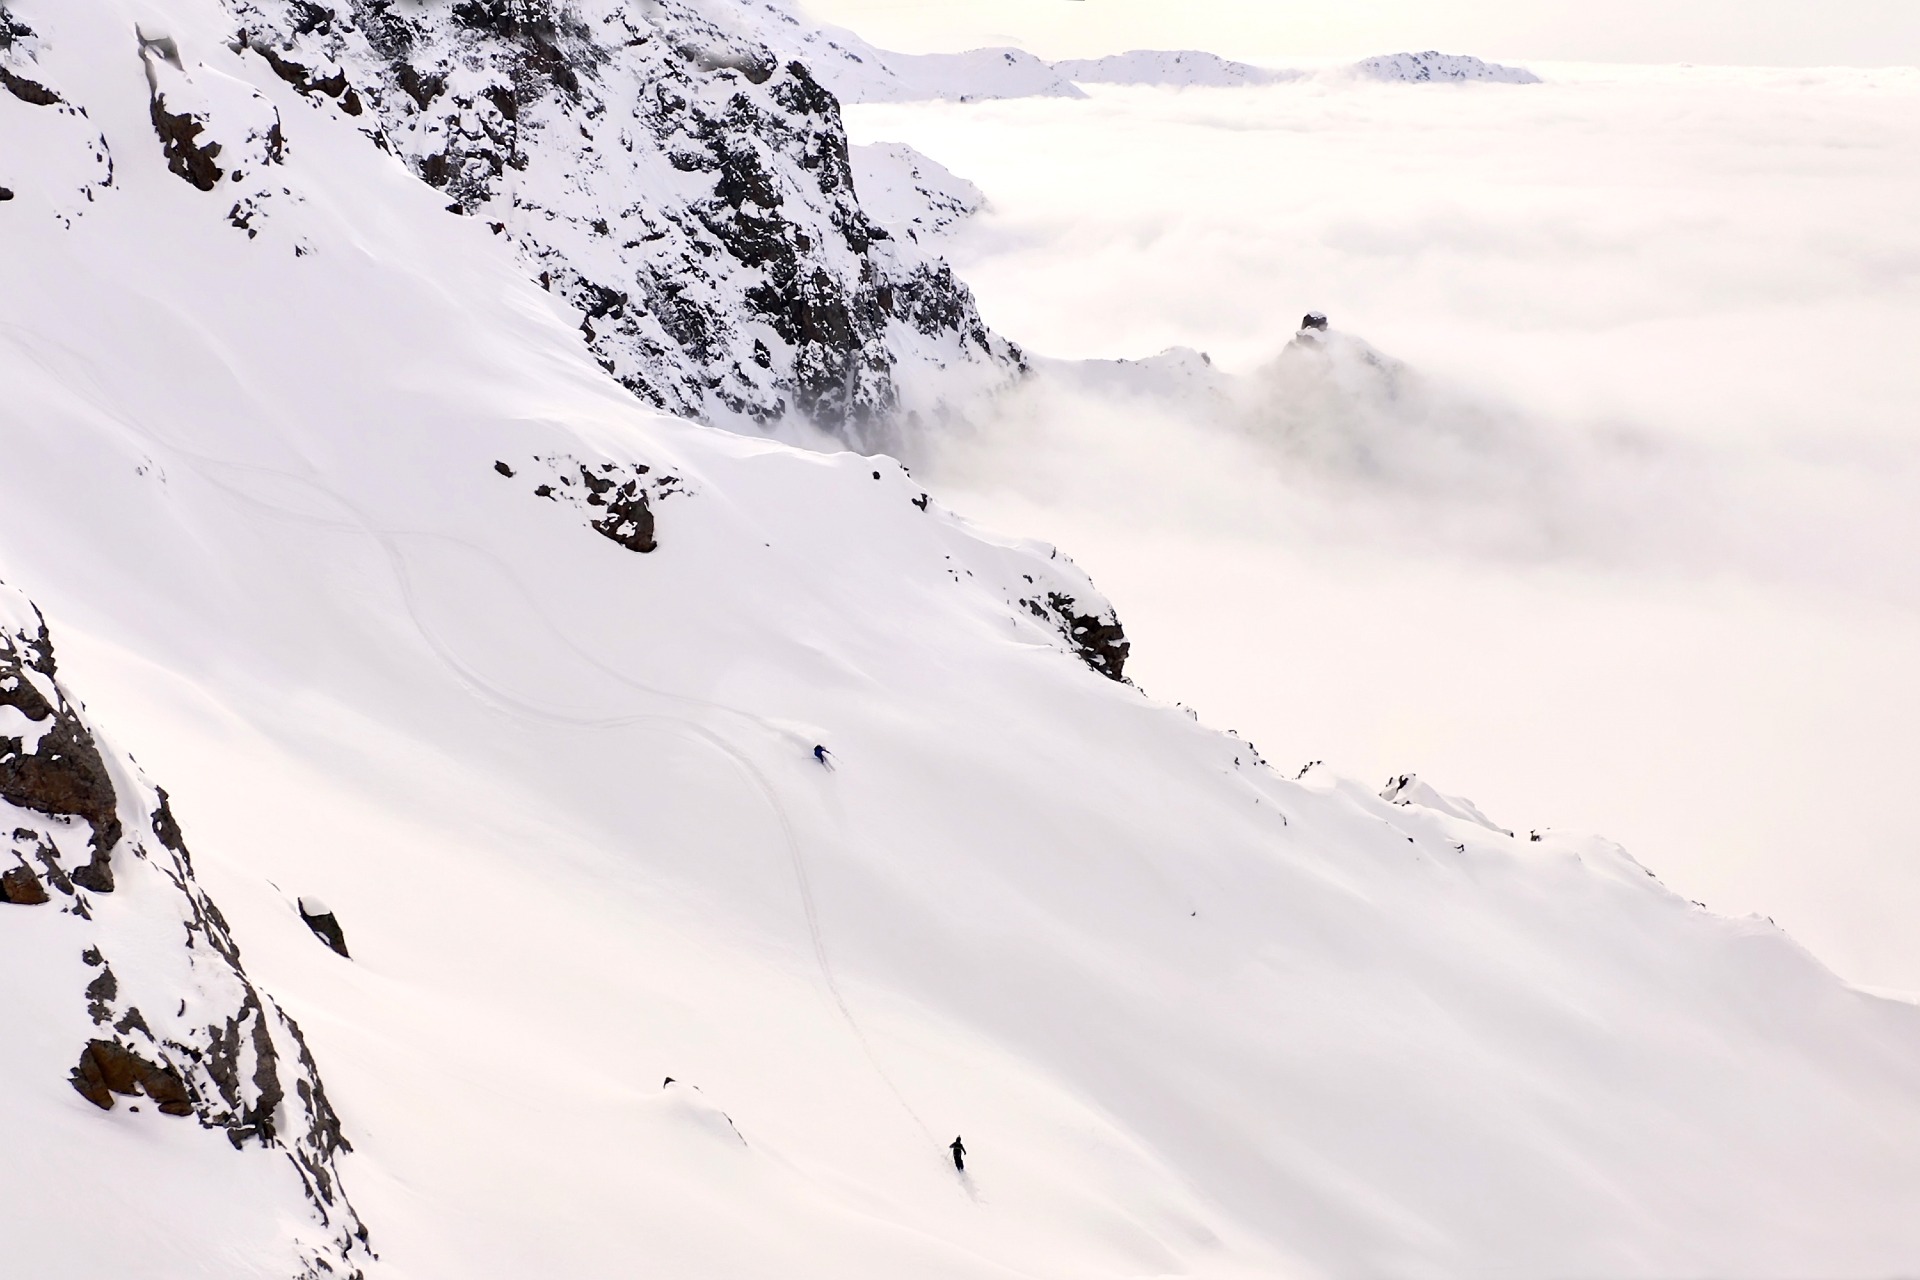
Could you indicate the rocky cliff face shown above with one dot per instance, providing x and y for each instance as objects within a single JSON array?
[
  {"x": 685, "y": 188},
  {"x": 160, "y": 1011}
]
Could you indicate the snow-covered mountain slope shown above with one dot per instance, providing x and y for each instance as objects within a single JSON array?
[
  {"x": 196, "y": 1125},
  {"x": 911, "y": 195},
  {"x": 1421, "y": 68},
  {"x": 683, "y": 187},
  {"x": 416, "y": 611},
  {"x": 1181, "y": 68}
]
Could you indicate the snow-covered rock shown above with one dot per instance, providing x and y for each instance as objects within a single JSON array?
[
  {"x": 156, "y": 1099},
  {"x": 1423, "y": 68},
  {"x": 855, "y": 71},
  {"x": 1181, "y": 68},
  {"x": 909, "y": 194},
  {"x": 682, "y": 187}
]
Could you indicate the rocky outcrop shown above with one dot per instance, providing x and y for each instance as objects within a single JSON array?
[
  {"x": 616, "y": 497},
  {"x": 1096, "y": 637},
  {"x": 687, "y": 190},
  {"x": 325, "y": 925},
  {"x": 167, "y": 1009}
]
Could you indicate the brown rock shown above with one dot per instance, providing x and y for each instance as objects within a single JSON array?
[
  {"x": 21, "y": 887},
  {"x": 106, "y": 1068}
]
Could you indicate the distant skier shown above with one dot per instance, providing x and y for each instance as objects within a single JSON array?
[
  {"x": 821, "y": 754},
  {"x": 959, "y": 1150}
]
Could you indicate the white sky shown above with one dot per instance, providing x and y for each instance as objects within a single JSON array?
[{"x": 1725, "y": 32}]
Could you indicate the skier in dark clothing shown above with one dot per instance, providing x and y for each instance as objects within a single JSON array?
[
  {"x": 821, "y": 754},
  {"x": 959, "y": 1149}
]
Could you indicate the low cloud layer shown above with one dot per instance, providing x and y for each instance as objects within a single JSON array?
[{"x": 1599, "y": 503}]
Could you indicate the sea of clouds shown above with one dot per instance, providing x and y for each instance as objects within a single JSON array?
[{"x": 1601, "y": 504}]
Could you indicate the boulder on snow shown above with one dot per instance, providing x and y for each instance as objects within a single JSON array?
[
  {"x": 325, "y": 925},
  {"x": 106, "y": 1068},
  {"x": 21, "y": 887}
]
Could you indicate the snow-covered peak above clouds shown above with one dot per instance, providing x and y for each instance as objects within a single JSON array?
[
  {"x": 1431, "y": 66},
  {"x": 1181, "y": 68},
  {"x": 855, "y": 71}
]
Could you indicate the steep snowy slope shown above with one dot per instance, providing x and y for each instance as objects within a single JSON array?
[
  {"x": 681, "y": 184},
  {"x": 124, "y": 982},
  {"x": 339, "y": 528}
]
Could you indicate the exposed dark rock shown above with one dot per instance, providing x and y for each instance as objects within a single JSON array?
[
  {"x": 29, "y": 91},
  {"x": 12, "y": 30},
  {"x": 326, "y": 927},
  {"x": 769, "y": 293},
  {"x": 186, "y": 157},
  {"x": 1099, "y": 642},
  {"x": 21, "y": 887},
  {"x": 64, "y": 775},
  {"x": 101, "y": 993},
  {"x": 107, "y": 1067},
  {"x": 5, "y": 194},
  {"x": 305, "y": 80},
  {"x": 617, "y": 497}
]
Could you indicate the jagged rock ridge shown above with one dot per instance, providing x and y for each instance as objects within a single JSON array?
[{"x": 687, "y": 190}]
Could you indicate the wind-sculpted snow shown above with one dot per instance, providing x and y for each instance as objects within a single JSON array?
[{"x": 124, "y": 983}]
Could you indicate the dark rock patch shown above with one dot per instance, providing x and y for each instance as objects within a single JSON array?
[
  {"x": 325, "y": 926},
  {"x": 1098, "y": 641},
  {"x": 187, "y": 157},
  {"x": 31, "y": 92},
  {"x": 107, "y": 1068},
  {"x": 21, "y": 887}
]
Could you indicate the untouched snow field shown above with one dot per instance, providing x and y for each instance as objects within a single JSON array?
[
  {"x": 1638, "y": 553},
  {"x": 283, "y": 511}
]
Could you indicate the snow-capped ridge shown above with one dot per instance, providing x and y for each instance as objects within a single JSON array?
[
  {"x": 1409, "y": 789},
  {"x": 1434, "y": 67},
  {"x": 1181, "y": 68},
  {"x": 674, "y": 180},
  {"x": 910, "y": 194}
]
